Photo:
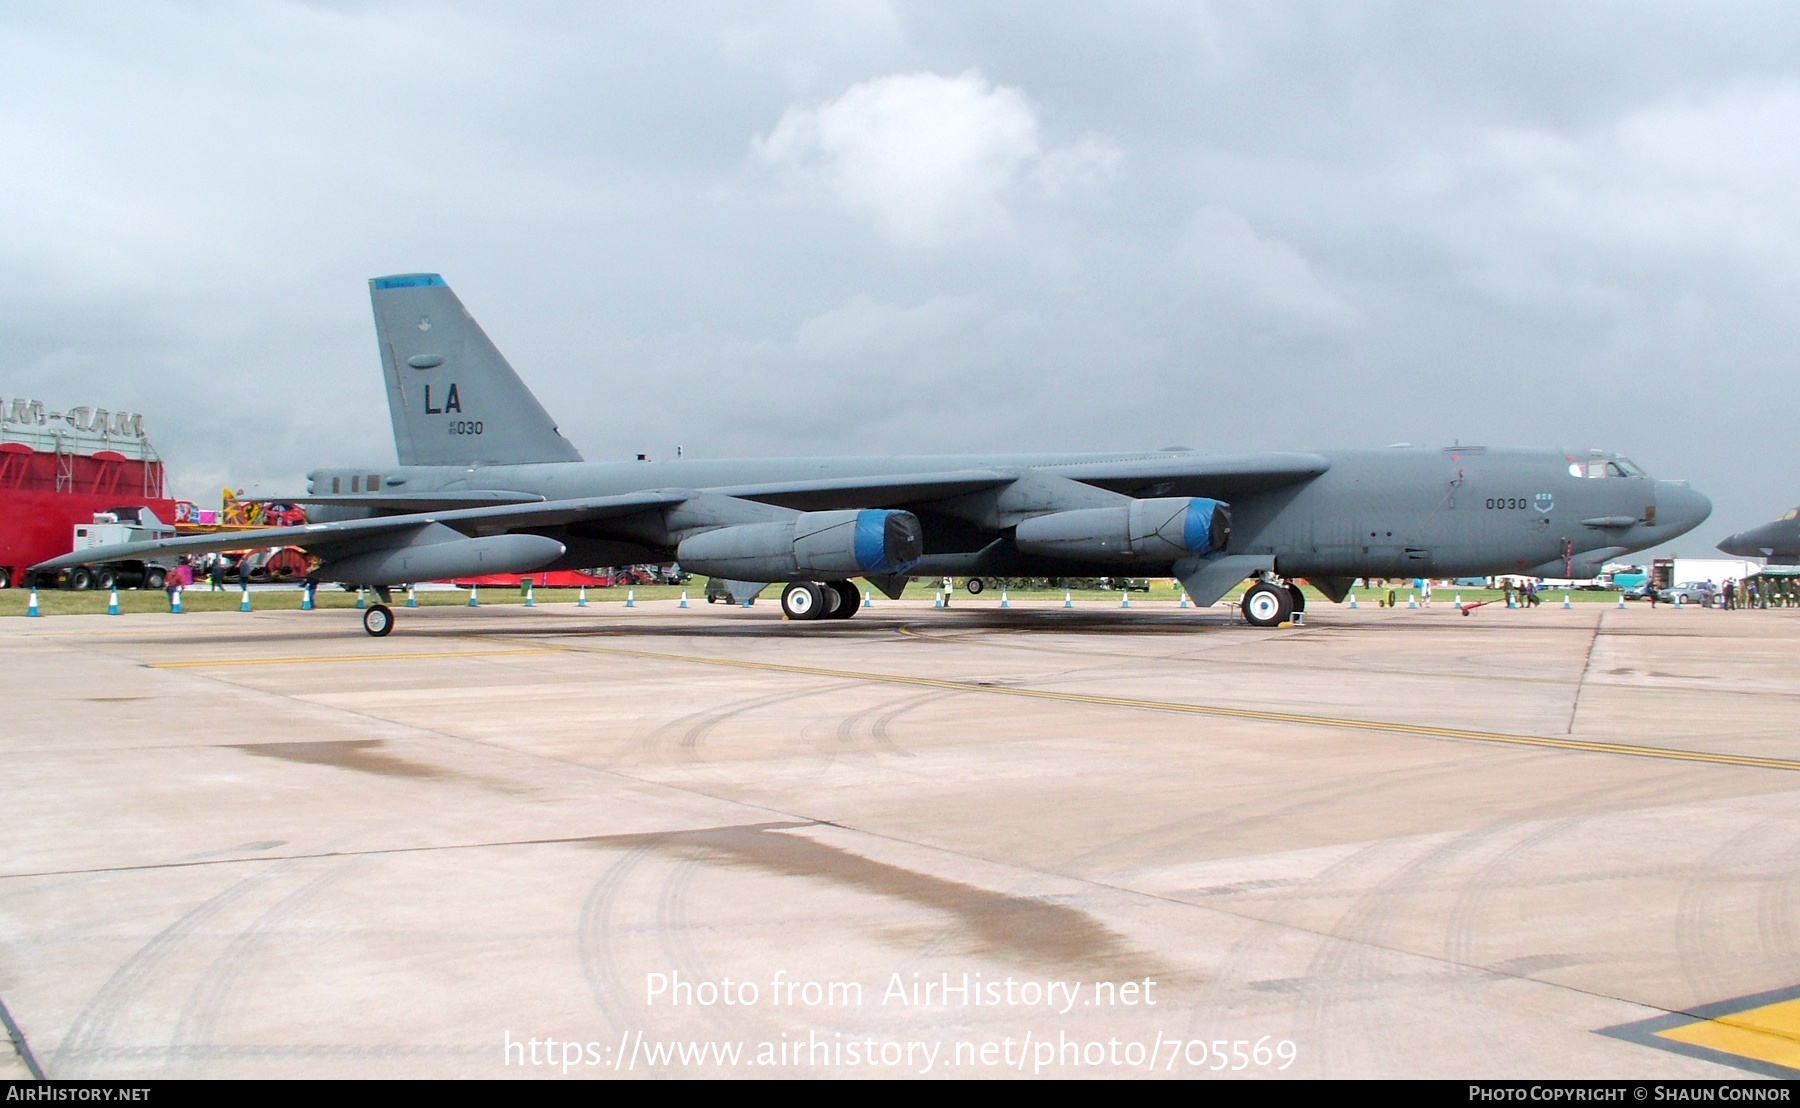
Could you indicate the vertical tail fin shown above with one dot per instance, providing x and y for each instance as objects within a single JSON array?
[{"x": 453, "y": 397}]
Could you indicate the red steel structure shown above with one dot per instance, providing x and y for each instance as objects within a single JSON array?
[{"x": 57, "y": 469}]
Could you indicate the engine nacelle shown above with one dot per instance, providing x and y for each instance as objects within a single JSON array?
[
  {"x": 403, "y": 565},
  {"x": 1159, "y": 530},
  {"x": 811, "y": 546}
]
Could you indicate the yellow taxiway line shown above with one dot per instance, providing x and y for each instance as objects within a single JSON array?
[{"x": 1253, "y": 714}]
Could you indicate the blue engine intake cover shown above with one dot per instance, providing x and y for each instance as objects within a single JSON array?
[
  {"x": 888, "y": 541},
  {"x": 1208, "y": 528}
]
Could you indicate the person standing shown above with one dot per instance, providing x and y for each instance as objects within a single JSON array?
[
  {"x": 1425, "y": 591},
  {"x": 179, "y": 577},
  {"x": 215, "y": 577}
]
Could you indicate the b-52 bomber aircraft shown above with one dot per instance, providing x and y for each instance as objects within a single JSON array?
[
  {"x": 1779, "y": 541},
  {"x": 486, "y": 484}
]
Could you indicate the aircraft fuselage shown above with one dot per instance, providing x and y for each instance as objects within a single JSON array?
[{"x": 1405, "y": 511}]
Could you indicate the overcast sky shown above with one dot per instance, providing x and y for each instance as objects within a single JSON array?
[{"x": 868, "y": 227}]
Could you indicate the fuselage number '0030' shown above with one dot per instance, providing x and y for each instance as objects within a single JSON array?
[
  {"x": 465, "y": 427},
  {"x": 1508, "y": 502}
]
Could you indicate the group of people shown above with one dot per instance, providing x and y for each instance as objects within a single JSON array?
[
  {"x": 1759, "y": 592},
  {"x": 181, "y": 574},
  {"x": 1522, "y": 595}
]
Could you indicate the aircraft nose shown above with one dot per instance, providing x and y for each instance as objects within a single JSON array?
[
  {"x": 1749, "y": 544},
  {"x": 1680, "y": 509}
]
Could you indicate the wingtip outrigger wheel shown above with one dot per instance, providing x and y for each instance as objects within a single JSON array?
[{"x": 378, "y": 620}]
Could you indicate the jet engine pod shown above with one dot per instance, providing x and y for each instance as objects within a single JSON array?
[
  {"x": 399, "y": 565},
  {"x": 1158, "y": 530},
  {"x": 812, "y": 546}
]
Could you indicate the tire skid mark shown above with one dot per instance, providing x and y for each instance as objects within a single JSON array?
[
  {"x": 881, "y": 732},
  {"x": 1266, "y": 918},
  {"x": 1698, "y": 910},
  {"x": 1206, "y": 826},
  {"x": 1355, "y": 964},
  {"x": 197, "y": 1023},
  {"x": 674, "y": 936},
  {"x": 87, "y": 1036},
  {"x": 1363, "y": 924},
  {"x": 596, "y": 937},
  {"x": 694, "y": 727},
  {"x": 1776, "y": 907}
]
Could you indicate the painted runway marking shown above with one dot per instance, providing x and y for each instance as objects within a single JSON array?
[
  {"x": 1759, "y": 1033},
  {"x": 1768, "y": 1034}
]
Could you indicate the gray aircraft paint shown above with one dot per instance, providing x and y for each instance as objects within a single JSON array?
[
  {"x": 481, "y": 412},
  {"x": 497, "y": 464},
  {"x": 1778, "y": 541}
]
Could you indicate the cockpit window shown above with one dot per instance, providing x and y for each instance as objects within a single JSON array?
[
  {"x": 1604, "y": 467},
  {"x": 1791, "y": 513}
]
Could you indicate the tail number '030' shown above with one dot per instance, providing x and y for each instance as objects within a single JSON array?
[
  {"x": 1508, "y": 502},
  {"x": 465, "y": 427}
]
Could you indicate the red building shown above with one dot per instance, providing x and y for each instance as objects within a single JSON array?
[{"x": 57, "y": 469}]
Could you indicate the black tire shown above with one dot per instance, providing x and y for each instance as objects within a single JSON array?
[
  {"x": 803, "y": 600},
  {"x": 106, "y": 579},
  {"x": 974, "y": 585},
  {"x": 849, "y": 599},
  {"x": 81, "y": 578},
  {"x": 1267, "y": 605},
  {"x": 154, "y": 578},
  {"x": 378, "y": 620},
  {"x": 1299, "y": 597},
  {"x": 5, "y": 577}
]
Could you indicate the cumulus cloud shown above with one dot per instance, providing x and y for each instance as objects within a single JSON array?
[
  {"x": 1251, "y": 280},
  {"x": 931, "y": 158}
]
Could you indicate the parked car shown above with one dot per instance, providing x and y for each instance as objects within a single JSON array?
[{"x": 1691, "y": 592}]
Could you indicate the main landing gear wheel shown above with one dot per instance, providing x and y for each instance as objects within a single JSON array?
[
  {"x": 848, "y": 599},
  {"x": 803, "y": 600},
  {"x": 1299, "y": 597},
  {"x": 378, "y": 620},
  {"x": 974, "y": 585},
  {"x": 1267, "y": 605}
]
